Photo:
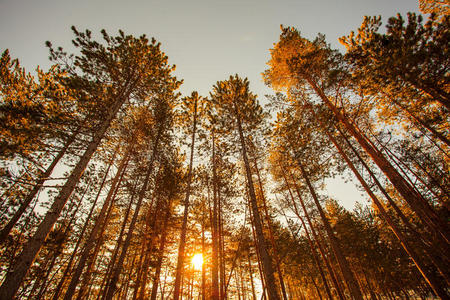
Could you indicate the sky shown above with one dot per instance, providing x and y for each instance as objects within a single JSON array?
[{"x": 207, "y": 40}]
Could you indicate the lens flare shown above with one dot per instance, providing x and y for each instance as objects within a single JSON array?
[{"x": 197, "y": 261}]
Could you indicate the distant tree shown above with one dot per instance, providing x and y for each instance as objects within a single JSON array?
[
  {"x": 238, "y": 106},
  {"x": 191, "y": 113}
]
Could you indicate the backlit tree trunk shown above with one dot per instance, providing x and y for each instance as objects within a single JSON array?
[
  {"x": 13, "y": 280},
  {"x": 261, "y": 242},
  {"x": 181, "y": 247}
]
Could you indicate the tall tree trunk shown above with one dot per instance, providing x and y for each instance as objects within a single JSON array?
[
  {"x": 313, "y": 232},
  {"x": 258, "y": 256},
  {"x": 90, "y": 263},
  {"x": 144, "y": 257},
  {"x": 261, "y": 242},
  {"x": 30, "y": 196},
  {"x": 180, "y": 260},
  {"x": 223, "y": 292},
  {"x": 343, "y": 263},
  {"x": 203, "y": 255},
  {"x": 14, "y": 279},
  {"x": 440, "y": 261},
  {"x": 415, "y": 200},
  {"x": 269, "y": 226},
  {"x": 111, "y": 287},
  {"x": 59, "y": 249},
  {"x": 151, "y": 225},
  {"x": 162, "y": 245},
  {"x": 215, "y": 294},
  {"x": 93, "y": 235},
  {"x": 137, "y": 283},
  {"x": 319, "y": 294},
  {"x": 74, "y": 251},
  {"x": 429, "y": 277},
  {"x": 119, "y": 242},
  {"x": 250, "y": 272}
]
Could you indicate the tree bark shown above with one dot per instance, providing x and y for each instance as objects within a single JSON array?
[
  {"x": 14, "y": 279},
  {"x": 269, "y": 226},
  {"x": 30, "y": 196},
  {"x": 415, "y": 200},
  {"x": 428, "y": 276},
  {"x": 261, "y": 242},
  {"x": 111, "y": 286},
  {"x": 343, "y": 264},
  {"x": 93, "y": 235},
  {"x": 180, "y": 260},
  {"x": 162, "y": 245}
]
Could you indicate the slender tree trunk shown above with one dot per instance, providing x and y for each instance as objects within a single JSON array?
[
  {"x": 99, "y": 242},
  {"x": 151, "y": 225},
  {"x": 238, "y": 286},
  {"x": 261, "y": 242},
  {"x": 203, "y": 255},
  {"x": 429, "y": 277},
  {"x": 93, "y": 235},
  {"x": 237, "y": 253},
  {"x": 215, "y": 294},
  {"x": 28, "y": 198},
  {"x": 315, "y": 285},
  {"x": 440, "y": 263},
  {"x": 111, "y": 287},
  {"x": 144, "y": 257},
  {"x": 181, "y": 247},
  {"x": 14, "y": 279},
  {"x": 415, "y": 200},
  {"x": 313, "y": 231},
  {"x": 75, "y": 250},
  {"x": 59, "y": 249},
  {"x": 137, "y": 283},
  {"x": 269, "y": 225},
  {"x": 223, "y": 292},
  {"x": 258, "y": 256},
  {"x": 343, "y": 264},
  {"x": 162, "y": 245},
  {"x": 250, "y": 272},
  {"x": 119, "y": 242}
]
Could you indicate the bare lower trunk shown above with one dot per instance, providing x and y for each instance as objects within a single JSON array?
[
  {"x": 14, "y": 279},
  {"x": 429, "y": 277},
  {"x": 93, "y": 235},
  {"x": 260, "y": 240},
  {"x": 415, "y": 200},
  {"x": 162, "y": 245},
  {"x": 180, "y": 260},
  {"x": 269, "y": 225},
  {"x": 343, "y": 263},
  {"x": 111, "y": 286},
  {"x": 26, "y": 202},
  {"x": 215, "y": 294}
]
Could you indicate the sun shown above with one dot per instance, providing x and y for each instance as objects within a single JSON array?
[{"x": 197, "y": 261}]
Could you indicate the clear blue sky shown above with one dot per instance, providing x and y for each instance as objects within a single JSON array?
[{"x": 207, "y": 40}]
